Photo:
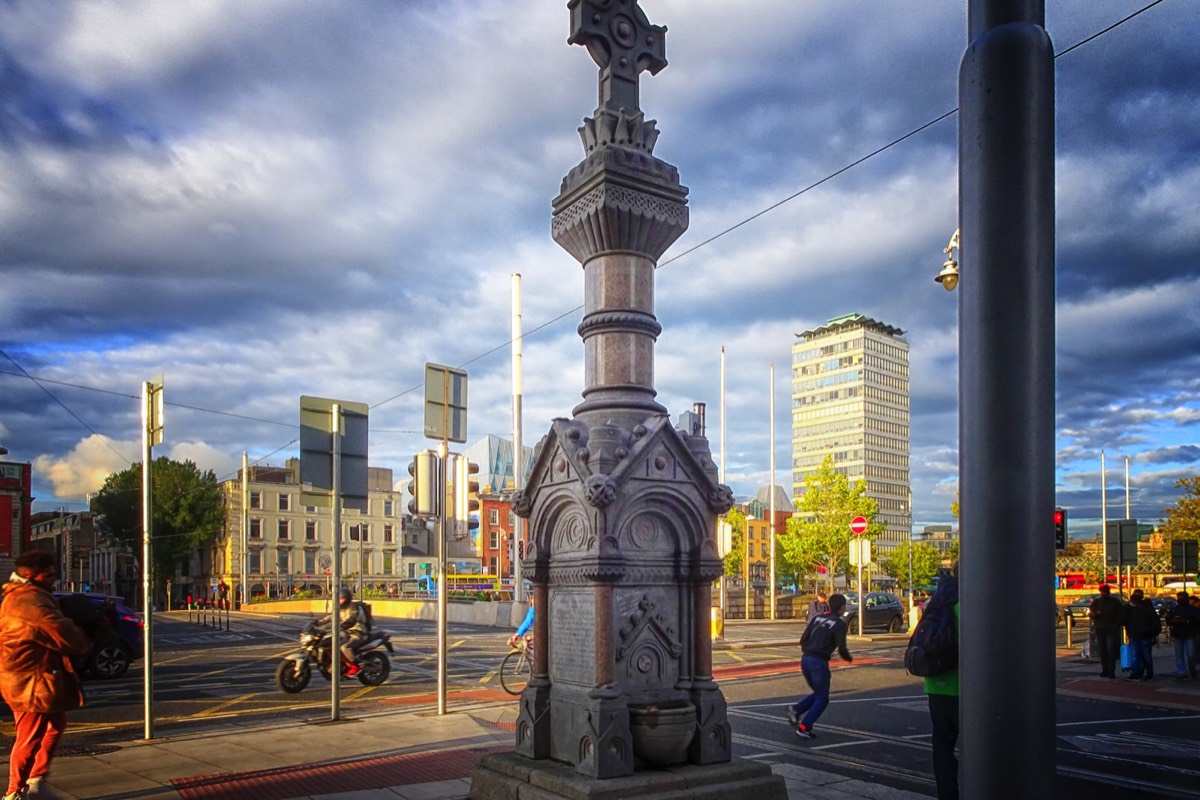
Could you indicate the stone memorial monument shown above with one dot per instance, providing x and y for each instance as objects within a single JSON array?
[{"x": 621, "y": 505}]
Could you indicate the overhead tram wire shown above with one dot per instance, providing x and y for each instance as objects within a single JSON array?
[
  {"x": 79, "y": 419},
  {"x": 788, "y": 199},
  {"x": 671, "y": 260}
]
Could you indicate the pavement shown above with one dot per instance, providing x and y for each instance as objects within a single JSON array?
[{"x": 406, "y": 750}]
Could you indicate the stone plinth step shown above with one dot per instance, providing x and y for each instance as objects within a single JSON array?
[{"x": 507, "y": 776}]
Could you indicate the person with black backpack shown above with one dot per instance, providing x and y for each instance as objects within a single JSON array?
[
  {"x": 823, "y": 635},
  {"x": 941, "y": 679}
]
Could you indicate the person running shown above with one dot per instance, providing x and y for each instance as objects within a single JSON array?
[
  {"x": 1108, "y": 615},
  {"x": 821, "y": 637}
]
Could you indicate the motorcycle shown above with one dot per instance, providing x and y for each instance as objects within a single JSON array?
[{"x": 294, "y": 672}]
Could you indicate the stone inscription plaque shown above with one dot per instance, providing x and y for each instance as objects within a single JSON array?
[{"x": 572, "y": 636}]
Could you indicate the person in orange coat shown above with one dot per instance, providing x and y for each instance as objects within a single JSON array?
[{"x": 37, "y": 679}]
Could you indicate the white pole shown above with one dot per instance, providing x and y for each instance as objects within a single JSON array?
[
  {"x": 771, "y": 489},
  {"x": 245, "y": 529},
  {"x": 442, "y": 584},
  {"x": 518, "y": 454},
  {"x": 911, "y": 602},
  {"x": 862, "y": 597},
  {"x": 147, "y": 606},
  {"x": 1128, "y": 567},
  {"x": 335, "y": 583},
  {"x": 722, "y": 579},
  {"x": 1103, "y": 521},
  {"x": 1128, "y": 515}
]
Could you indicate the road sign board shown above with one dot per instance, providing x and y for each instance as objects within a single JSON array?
[
  {"x": 316, "y": 452},
  {"x": 325, "y": 562},
  {"x": 860, "y": 552},
  {"x": 1183, "y": 555},
  {"x": 1121, "y": 539},
  {"x": 445, "y": 403},
  {"x": 858, "y": 526}
]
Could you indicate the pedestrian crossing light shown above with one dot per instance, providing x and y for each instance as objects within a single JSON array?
[{"x": 1060, "y": 529}]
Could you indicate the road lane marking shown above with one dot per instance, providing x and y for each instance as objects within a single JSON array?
[
  {"x": 487, "y": 678},
  {"x": 219, "y": 707}
]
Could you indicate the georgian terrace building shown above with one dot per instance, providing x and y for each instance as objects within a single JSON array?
[{"x": 289, "y": 545}]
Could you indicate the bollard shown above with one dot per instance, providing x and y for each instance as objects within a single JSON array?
[{"x": 1070, "y": 626}]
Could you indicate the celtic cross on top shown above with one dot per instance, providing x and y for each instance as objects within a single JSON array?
[{"x": 622, "y": 42}]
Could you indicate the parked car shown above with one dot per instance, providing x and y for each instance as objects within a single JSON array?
[
  {"x": 113, "y": 653},
  {"x": 881, "y": 610},
  {"x": 1080, "y": 610}
]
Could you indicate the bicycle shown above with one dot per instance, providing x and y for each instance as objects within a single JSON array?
[{"x": 516, "y": 667}]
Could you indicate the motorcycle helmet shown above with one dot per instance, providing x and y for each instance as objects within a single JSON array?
[{"x": 345, "y": 595}]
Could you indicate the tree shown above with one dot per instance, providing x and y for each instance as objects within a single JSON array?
[
  {"x": 186, "y": 509},
  {"x": 1183, "y": 518},
  {"x": 737, "y": 546},
  {"x": 926, "y": 560},
  {"x": 828, "y": 505}
]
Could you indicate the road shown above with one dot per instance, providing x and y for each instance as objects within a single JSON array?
[{"x": 876, "y": 727}]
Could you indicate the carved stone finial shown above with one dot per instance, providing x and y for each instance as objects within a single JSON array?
[{"x": 623, "y": 44}]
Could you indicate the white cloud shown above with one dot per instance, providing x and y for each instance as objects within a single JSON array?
[{"x": 83, "y": 470}]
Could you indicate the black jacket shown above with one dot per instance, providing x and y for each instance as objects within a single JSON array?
[
  {"x": 1108, "y": 612},
  {"x": 823, "y": 635},
  {"x": 1141, "y": 621}
]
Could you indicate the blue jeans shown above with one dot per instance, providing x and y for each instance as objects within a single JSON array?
[
  {"x": 1185, "y": 653},
  {"x": 816, "y": 672},
  {"x": 1143, "y": 658}
]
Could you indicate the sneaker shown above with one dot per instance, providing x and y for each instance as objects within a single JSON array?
[
  {"x": 41, "y": 790},
  {"x": 804, "y": 732},
  {"x": 793, "y": 718},
  {"x": 351, "y": 670}
]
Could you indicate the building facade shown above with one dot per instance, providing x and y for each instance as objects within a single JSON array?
[
  {"x": 496, "y": 523},
  {"x": 16, "y": 505},
  {"x": 850, "y": 400},
  {"x": 289, "y": 546},
  {"x": 71, "y": 536}
]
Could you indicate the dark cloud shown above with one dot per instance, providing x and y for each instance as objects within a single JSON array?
[{"x": 263, "y": 200}]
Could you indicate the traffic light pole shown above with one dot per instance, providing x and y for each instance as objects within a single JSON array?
[
  {"x": 443, "y": 451},
  {"x": 335, "y": 652}
]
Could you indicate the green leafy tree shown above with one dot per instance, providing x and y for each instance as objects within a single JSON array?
[
  {"x": 186, "y": 509},
  {"x": 926, "y": 560},
  {"x": 828, "y": 505},
  {"x": 736, "y": 556},
  {"x": 1183, "y": 518}
]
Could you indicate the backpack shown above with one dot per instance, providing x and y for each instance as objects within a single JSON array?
[
  {"x": 933, "y": 647},
  {"x": 366, "y": 610}
]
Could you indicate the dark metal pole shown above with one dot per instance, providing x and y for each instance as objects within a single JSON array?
[{"x": 1006, "y": 401}]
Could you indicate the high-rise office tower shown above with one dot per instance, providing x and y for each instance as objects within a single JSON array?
[{"x": 850, "y": 400}]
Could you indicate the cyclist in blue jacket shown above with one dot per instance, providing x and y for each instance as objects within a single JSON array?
[{"x": 525, "y": 626}]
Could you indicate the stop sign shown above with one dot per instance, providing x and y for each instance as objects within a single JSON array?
[{"x": 858, "y": 526}]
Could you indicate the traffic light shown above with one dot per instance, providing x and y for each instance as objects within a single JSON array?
[
  {"x": 466, "y": 495},
  {"x": 521, "y": 549},
  {"x": 424, "y": 485},
  {"x": 1060, "y": 529}
]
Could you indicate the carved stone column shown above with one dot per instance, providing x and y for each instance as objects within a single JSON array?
[{"x": 622, "y": 506}]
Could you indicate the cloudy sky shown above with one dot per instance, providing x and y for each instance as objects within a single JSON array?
[{"x": 269, "y": 199}]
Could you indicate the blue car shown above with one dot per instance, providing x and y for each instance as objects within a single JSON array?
[{"x": 117, "y": 632}]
